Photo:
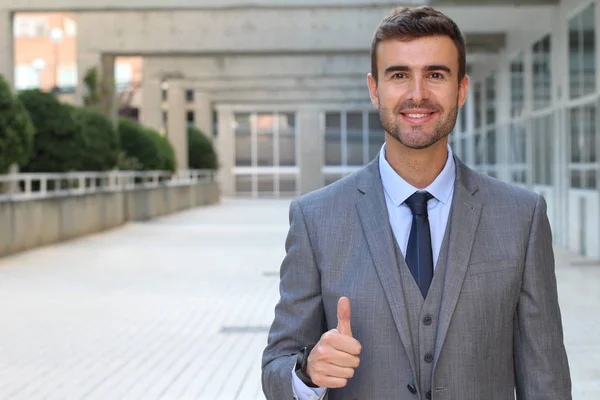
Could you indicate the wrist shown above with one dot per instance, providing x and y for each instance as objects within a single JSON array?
[{"x": 302, "y": 366}]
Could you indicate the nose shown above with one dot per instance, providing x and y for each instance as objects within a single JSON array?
[{"x": 419, "y": 90}]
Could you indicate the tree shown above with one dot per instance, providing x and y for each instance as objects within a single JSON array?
[
  {"x": 100, "y": 91},
  {"x": 16, "y": 129},
  {"x": 201, "y": 153},
  {"x": 58, "y": 139}
]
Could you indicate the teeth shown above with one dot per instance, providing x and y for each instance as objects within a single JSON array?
[{"x": 418, "y": 115}]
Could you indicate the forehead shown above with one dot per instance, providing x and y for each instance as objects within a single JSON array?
[{"x": 417, "y": 53}]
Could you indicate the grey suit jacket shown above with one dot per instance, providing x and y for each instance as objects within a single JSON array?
[{"x": 499, "y": 330}]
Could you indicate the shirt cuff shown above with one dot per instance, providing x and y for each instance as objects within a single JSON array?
[{"x": 303, "y": 392}]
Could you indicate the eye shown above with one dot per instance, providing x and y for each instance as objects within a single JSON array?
[
  {"x": 436, "y": 75},
  {"x": 399, "y": 75}
]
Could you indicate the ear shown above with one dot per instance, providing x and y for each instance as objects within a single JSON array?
[
  {"x": 372, "y": 83},
  {"x": 463, "y": 89}
]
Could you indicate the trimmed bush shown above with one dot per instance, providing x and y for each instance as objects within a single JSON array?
[
  {"x": 16, "y": 129},
  {"x": 102, "y": 148},
  {"x": 152, "y": 150},
  {"x": 58, "y": 140},
  {"x": 201, "y": 153}
]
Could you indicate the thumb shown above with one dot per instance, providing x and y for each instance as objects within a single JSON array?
[{"x": 343, "y": 313}]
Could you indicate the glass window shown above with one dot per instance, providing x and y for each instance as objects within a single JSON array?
[
  {"x": 67, "y": 76},
  {"x": 190, "y": 117},
  {"x": 264, "y": 140},
  {"x": 543, "y": 150},
  {"x": 189, "y": 95},
  {"x": 376, "y": 135},
  {"x": 477, "y": 105},
  {"x": 27, "y": 77},
  {"x": 123, "y": 74},
  {"x": 582, "y": 62},
  {"x": 479, "y": 148},
  {"x": 354, "y": 137},
  {"x": 542, "y": 77},
  {"x": 491, "y": 146},
  {"x": 287, "y": 139},
  {"x": 243, "y": 139},
  {"x": 517, "y": 86},
  {"x": 333, "y": 138},
  {"x": 490, "y": 100},
  {"x": 462, "y": 117},
  {"x": 70, "y": 27}
]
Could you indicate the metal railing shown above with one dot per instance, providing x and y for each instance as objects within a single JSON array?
[{"x": 26, "y": 186}]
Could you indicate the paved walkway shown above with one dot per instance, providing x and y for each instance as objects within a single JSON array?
[{"x": 178, "y": 308}]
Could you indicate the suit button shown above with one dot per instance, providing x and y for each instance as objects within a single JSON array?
[
  {"x": 427, "y": 320},
  {"x": 428, "y": 395},
  {"x": 428, "y": 358},
  {"x": 412, "y": 388}
]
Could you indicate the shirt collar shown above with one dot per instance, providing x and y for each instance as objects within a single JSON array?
[{"x": 399, "y": 190}]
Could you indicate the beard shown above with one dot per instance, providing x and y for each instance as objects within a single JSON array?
[{"x": 418, "y": 136}]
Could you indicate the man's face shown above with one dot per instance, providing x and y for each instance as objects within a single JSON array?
[{"x": 417, "y": 92}]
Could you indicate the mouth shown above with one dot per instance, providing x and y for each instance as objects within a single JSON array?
[{"x": 418, "y": 117}]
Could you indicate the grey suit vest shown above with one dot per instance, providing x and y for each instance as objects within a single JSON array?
[{"x": 423, "y": 315}]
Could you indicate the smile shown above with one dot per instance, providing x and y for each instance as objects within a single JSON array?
[{"x": 418, "y": 118}]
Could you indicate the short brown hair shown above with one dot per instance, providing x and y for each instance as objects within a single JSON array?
[{"x": 412, "y": 23}]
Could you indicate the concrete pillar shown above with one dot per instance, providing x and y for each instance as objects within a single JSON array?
[
  {"x": 7, "y": 67},
  {"x": 177, "y": 126},
  {"x": 108, "y": 86},
  {"x": 203, "y": 113},
  {"x": 151, "y": 104},
  {"x": 311, "y": 152},
  {"x": 225, "y": 148}
]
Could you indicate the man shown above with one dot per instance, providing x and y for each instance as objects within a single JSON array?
[{"x": 417, "y": 277}]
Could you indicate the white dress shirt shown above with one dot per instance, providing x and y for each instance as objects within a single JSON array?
[{"x": 397, "y": 190}]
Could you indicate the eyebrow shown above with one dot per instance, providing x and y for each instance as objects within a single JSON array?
[{"x": 428, "y": 68}]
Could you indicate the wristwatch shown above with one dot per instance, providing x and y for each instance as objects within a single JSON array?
[{"x": 301, "y": 364}]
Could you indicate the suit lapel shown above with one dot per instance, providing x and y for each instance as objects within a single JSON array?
[
  {"x": 374, "y": 219},
  {"x": 463, "y": 222}
]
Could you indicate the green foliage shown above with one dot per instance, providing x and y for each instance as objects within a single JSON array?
[
  {"x": 151, "y": 150},
  {"x": 201, "y": 153},
  {"x": 16, "y": 129},
  {"x": 168, "y": 158},
  {"x": 101, "y": 149},
  {"x": 58, "y": 140},
  {"x": 100, "y": 91}
]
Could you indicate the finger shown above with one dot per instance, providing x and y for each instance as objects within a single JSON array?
[
  {"x": 329, "y": 382},
  {"x": 344, "y": 360},
  {"x": 343, "y": 313},
  {"x": 346, "y": 344}
]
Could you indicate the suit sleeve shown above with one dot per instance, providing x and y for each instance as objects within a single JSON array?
[
  {"x": 299, "y": 315},
  {"x": 541, "y": 366}
]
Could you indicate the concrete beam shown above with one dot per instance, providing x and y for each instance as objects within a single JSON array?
[
  {"x": 292, "y": 96},
  {"x": 95, "y": 5},
  {"x": 252, "y": 30}
]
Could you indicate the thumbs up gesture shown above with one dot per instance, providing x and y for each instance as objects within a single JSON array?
[{"x": 335, "y": 357}]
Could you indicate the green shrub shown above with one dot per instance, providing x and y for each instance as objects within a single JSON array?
[
  {"x": 168, "y": 158},
  {"x": 58, "y": 140},
  {"x": 201, "y": 153},
  {"x": 102, "y": 147},
  {"x": 152, "y": 150},
  {"x": 16, "y": 129}
]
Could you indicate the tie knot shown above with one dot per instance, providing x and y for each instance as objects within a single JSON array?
[{"x": 418, "y": 202}]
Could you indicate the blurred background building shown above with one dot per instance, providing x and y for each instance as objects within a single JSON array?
[{"x": 280, "y": 86}]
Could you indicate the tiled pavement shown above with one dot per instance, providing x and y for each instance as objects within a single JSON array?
[{"x": 177, "y": 308}]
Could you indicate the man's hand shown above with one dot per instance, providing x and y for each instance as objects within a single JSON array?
[{"x": 333, "y": 359}]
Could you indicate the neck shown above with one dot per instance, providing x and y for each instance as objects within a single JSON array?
[{"x": 417, "y": 167}]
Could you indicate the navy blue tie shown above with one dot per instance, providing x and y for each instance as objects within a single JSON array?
[{"x": 419, "y": 256}]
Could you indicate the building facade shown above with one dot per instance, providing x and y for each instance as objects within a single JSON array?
[{"x": 281, "y": 87}]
